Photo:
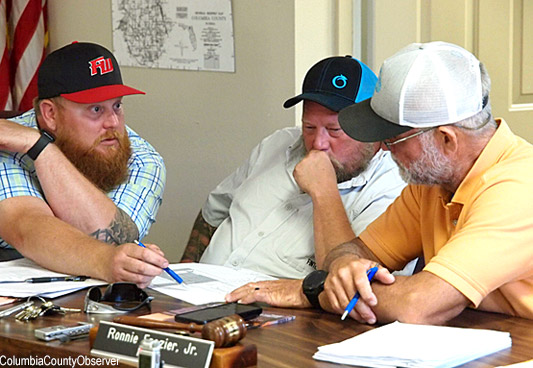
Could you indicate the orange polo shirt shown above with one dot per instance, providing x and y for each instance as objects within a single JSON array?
[{"x": 481, "y": 240}]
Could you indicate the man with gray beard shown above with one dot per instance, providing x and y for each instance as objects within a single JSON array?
[
  {"x": 78, "y": 185},
  {"x": 467, "y": 208},
  {"x": 304, "y": 189}
]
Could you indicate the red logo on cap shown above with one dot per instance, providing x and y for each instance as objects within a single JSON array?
[{"x": 105, "y": 66}]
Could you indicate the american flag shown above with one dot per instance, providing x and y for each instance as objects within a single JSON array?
[
  {"x": 26, "y": 39},
  {"x": 5, "y": 79}
]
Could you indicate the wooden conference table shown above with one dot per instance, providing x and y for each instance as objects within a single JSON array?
[{"x": 285, "y": 345}]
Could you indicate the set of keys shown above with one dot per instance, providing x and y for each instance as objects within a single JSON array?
[{"x": 33, "y": 311}]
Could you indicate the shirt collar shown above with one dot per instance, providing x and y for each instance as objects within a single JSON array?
[
  {"x": 500, "y": 142},
  {"x": 295, "y": 153},
  {"x": 363, "y": 178}
]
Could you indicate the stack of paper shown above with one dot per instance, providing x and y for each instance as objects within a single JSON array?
[
  {"x": 407, "y": 345},
  {"x": 23, "y": 268}
]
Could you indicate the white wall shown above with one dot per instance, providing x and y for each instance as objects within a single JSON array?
[{"x": 204, "y": 124}]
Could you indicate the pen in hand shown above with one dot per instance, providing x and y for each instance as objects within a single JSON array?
[
  {"x": 370, "y": 274},
  {"x": 172, "y": 274}
]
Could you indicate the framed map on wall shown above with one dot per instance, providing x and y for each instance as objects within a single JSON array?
[{"x": 174, "y": 34}]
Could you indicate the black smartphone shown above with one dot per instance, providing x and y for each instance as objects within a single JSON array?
[{"x": 202, "y": 316}]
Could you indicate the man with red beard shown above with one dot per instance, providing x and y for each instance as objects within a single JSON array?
[
  {"x": 78, "y": 186},
  {"x": 276, "y": 214}
]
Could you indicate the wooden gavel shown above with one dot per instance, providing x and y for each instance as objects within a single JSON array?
[{"x": 224, "y": 332}]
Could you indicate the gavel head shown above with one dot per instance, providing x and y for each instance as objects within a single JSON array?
[{"x": 225, "y": 331}]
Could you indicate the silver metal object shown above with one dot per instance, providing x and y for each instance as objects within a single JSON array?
[
  {"x": 64, "y": 310},
  {"x": 16, "y": 308},
  {"x": 62, "y": 332}
]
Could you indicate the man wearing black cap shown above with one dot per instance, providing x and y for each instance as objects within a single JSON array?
[
  {"x": 303, "y": 190},
  {"x": 78, "y": 186}
]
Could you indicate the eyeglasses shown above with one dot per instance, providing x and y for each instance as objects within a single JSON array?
[
  {"x": 119, "y": 297},
  {"x": 388, "y": 144}
]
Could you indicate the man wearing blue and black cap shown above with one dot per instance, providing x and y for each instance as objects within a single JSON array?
[{"x": 304, "y": 189}]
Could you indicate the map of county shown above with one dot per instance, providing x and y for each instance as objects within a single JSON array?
[
  {"x": 174, "y": 34},
  {"x": 145, "y": 29}
]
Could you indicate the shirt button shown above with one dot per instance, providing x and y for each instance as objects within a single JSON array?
[
  {"x": 289, "y": 207},
  {"x": 235, "y": 263},
  {"x": 261, "y": 233}
]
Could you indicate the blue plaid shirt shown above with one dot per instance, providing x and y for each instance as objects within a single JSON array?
[{"x": 140, "y": 196}]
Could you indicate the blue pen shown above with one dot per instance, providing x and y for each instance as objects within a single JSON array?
[
  {"x": 172, "y": 274},
  {"x": 370, "y": 274}
]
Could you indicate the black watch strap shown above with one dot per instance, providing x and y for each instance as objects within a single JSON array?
[
  {"x": 38, "y": 147},
  {"x": 313, "y": 285}
]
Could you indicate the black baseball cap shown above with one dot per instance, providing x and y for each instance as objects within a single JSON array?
[
  {"x": 336, "y": 82},
  {"x": 82, "y": 72}
]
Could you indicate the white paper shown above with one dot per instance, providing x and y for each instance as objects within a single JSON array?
[
  {"x": 174, "y": 34},
  {"x": 408, "y": 345},
  {"x": 23, "y": 268},
  {"x": 204, "y": 283}
]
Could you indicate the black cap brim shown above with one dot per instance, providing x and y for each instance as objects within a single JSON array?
[
  {"x": 332, "y": 102},
  {"x": 361, "y": 123}
]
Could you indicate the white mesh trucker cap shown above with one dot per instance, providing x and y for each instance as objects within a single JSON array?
[{"x": 422, "y": 85}]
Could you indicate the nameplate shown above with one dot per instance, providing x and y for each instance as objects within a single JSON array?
[{"x": 121, "y": 342}]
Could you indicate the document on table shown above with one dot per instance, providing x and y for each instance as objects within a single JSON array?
[
  {"x": 408, "y": 345},
  {"x": 23, "y": 268},
  {"x": 204, "y": 283}
]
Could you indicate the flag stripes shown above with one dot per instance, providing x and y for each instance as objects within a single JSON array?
[
  {"x": 27, "y": 28},
  {"x": 5, "y": 78},
  {"x": 28, "y": 51}
]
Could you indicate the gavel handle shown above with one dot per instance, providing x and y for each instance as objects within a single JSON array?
[{"x": 151, "y": 323}]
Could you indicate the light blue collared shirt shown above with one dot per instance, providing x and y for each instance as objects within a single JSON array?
[{"x": 139, "y": 196}]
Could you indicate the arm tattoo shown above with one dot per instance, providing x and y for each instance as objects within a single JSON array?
[
  {"x": 201, "y": 235},
  {"x": 121, "y": 230}
]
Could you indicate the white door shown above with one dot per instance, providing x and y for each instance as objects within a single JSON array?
[{"x": 498, "y": 32}]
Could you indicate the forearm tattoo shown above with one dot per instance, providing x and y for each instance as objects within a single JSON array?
[
  {"x": 201, "y": 235},
  {"x": 121, "y": 230}
]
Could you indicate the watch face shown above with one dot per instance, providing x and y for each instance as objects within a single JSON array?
[{"x": 314, "y": 280}]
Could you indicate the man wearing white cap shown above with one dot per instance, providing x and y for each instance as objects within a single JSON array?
[
  {"x": 467, "y": 207},
  {"x": 78, "y": 187}
]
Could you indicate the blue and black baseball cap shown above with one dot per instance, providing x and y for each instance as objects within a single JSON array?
[{"x": 336, "y": 82}]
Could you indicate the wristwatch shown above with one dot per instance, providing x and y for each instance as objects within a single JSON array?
[
  {"x": 38, "y": 147},
  {"x": 313, "y": 285}
]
